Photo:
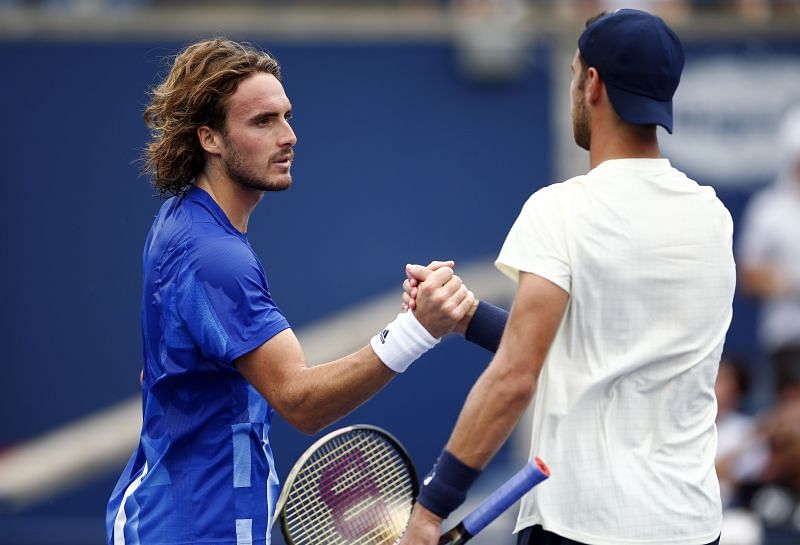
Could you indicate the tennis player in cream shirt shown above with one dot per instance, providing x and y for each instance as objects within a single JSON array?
[{"x": 625, "y": 283}]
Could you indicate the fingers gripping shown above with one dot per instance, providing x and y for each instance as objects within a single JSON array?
[
  {"x": 457, "y": 304},
  {"x": 418, "y": 273},
  {"x": 433, "y": 265},
  {"x": 440, "y": 286},
  {"x": 438, "y": 275}
]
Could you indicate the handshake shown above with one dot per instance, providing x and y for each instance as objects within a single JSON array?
[
  {"x": 438, "y": 298},
  {"x": 436, "y": 302}
]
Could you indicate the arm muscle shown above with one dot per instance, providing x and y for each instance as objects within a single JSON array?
[
  {"x": 311, "y": 398},
  {"x": 503, "y": 391}
]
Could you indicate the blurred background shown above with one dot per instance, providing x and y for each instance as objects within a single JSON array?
[{"x": 423, "y": 126}]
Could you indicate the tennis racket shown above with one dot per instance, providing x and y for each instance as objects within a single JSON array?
[{"x": 355, "y": 486}]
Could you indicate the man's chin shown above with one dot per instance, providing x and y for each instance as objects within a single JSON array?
[
  {"x": 280, "y": 185},
  {"x": 582, "y": 140},
  {"x": 276, "y": 183}
]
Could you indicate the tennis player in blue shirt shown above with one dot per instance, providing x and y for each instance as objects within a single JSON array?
[{"x": 219, "y": 356}]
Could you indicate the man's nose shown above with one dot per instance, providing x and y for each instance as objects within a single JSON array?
[{"x": 288, "y": 137}]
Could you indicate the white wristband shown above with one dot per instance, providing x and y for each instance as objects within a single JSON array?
[{"x": 402, "y": 341}]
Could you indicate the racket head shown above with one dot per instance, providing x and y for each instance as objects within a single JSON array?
[{"x": 354, "y": 486}]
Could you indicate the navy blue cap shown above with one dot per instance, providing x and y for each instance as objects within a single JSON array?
[{"x": 640, "y": 60}]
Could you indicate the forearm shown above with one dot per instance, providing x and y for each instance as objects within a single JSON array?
[
  {"x": 308, "y": 397},
  {"x": 331, "y": 390},
  {"x": 327, "y": 392},
  {"x": 498, "y": 398},
  {"x": 489, "y": 415}
]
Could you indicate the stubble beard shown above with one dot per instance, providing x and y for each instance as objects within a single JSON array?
[
  {"x": 244, "y": 176},
  {"x": 580, "y": 125}
]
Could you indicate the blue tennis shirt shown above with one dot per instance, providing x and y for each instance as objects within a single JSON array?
[{"x": 203, "y": 471}]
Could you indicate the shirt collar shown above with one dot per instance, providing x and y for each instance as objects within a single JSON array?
[{"x": 201, "y": 197}]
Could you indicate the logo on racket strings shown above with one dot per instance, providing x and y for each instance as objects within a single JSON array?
[{"x": 354, "y": 498}]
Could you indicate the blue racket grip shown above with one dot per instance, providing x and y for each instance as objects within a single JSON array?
[{"x": 505, "y": 496}]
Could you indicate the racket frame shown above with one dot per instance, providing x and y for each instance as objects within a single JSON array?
[{"x": 310, "y": 451}]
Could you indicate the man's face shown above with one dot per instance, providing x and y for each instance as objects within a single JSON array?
[
  {"x": 581, "y": 130},
  {"x": 258, "y": 140}
]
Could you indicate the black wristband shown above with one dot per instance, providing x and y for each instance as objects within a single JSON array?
[
  {"x": 446, "y": 486},
  {"x": 486, "y": 326}
]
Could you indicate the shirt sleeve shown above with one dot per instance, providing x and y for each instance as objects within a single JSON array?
[
  {"x": 224, "y": 301},
  {"x": 538, "y": 241}
]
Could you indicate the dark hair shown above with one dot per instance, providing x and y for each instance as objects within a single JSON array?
[
  {"x": 595, "y": 18},
  {"x": 192, "y": 95}
]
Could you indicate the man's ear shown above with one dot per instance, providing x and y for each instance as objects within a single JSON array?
[
  {"x": 210, "y": 140},
  {"x": 594, "y": 86}
]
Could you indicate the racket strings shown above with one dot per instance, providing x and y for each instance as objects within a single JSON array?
[
  {"x": 355, "y": 490},
  {"x": 365, "y": 513},
  {"x": 365, "y": 519},
  {"x": 307, "y": 482},
  {"x": 397, "y": 496},
  {"x": 384, "y": 528}
]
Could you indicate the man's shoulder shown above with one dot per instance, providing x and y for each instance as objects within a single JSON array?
[
  {"x": 558, "y": 191},
  {"x": 708, "y": 199},
  {"x": 186, "y": 216},
  {"x": 570, "y": 184},
  {"x": 202, "y": 240},
  {"x": 186, "y": 235},
  {"x": 210, "y": 247}
]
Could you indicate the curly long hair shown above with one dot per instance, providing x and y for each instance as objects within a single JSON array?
[{"x": 194, "y": 94}]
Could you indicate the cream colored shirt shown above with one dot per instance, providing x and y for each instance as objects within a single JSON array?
[{"x": 624, "y": 408}]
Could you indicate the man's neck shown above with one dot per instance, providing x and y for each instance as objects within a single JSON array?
[
  {"x": 236, "y": 201},
  {"x": 623, "y": 142}
]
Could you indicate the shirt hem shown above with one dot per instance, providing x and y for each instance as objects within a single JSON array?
[{"x": 597, "y": 540}]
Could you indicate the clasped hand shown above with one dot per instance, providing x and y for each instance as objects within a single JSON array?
[{"x": 437, "y": 296}]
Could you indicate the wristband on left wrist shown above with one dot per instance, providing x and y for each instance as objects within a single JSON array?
[{"x": 446, "y": 486}]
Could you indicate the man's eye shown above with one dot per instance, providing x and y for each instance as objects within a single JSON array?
[{"x": 287, "y": 117}]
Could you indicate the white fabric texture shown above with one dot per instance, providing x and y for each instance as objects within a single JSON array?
[
  {"x": 624, "y": 409},
  {"x": 402, "y": 341}
]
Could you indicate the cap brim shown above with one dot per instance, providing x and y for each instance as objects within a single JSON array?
[{"x": 640, "y": 110}]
